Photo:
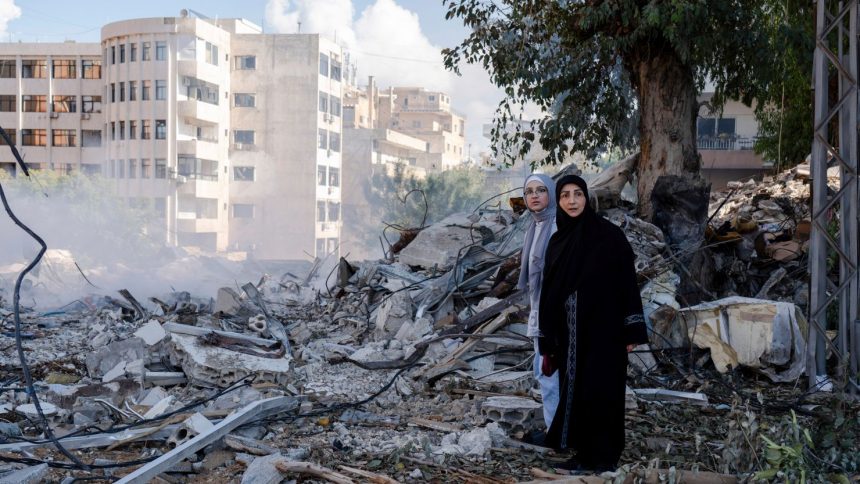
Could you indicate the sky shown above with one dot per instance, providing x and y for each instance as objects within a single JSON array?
[{"x": 396, "y": 41}]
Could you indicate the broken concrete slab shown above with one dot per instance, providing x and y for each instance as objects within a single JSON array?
[
  {"x": 514, "y": 414},
  {"x": 151, "y": 332},
  {"x": 392, "y": 314},
  {"x": 263, "y": 471},
  {"x": 103, "y": 360},
  {"x": 28, "y": 475},
  {"x": 228, "y": 302},
  {"x": 440, "y": 244},
  {"x": 222, "y": 367}
]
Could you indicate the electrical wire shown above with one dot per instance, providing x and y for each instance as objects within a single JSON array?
[{"x": 16, "y": 307}]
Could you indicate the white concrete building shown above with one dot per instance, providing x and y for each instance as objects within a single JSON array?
[
  {"x": 51, "y": 105},
  {"x": 221, "y": 128}
]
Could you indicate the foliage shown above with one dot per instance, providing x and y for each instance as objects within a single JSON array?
[
  {"x": 580, "y": 63},
  {"x": 79, "y": 213},
  {"x": 785, "y": 109},
  {"x": 401, "y": 196}
]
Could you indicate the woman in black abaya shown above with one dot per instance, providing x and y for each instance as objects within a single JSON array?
[{"x": 590, "y": 317}]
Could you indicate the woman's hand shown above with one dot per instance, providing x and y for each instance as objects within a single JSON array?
[
  {"x": 547, "y": 365},
  {"x": 630, "y": 348}
]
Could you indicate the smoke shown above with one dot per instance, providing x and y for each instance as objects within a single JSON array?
[{"x": 115, "y": 246}]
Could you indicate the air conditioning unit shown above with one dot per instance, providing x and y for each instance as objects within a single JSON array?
[
  {"x": 85, "y": 115},
  {"x": 327, "y": 117},
  {"x": 54, "y": 115}
]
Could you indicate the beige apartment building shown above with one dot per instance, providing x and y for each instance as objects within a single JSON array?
[
  {"x": 51, "y": 105},
  {"x": 232, "y": 136}
]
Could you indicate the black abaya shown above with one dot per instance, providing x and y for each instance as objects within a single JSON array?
[{"x": 590, "y": 312}]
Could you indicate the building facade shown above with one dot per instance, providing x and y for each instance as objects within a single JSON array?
[
  {"x": 231, "y": 136},
  {"x": 51, "y": 106}
]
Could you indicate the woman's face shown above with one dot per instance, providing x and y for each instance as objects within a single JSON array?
[
  {"x": 572, "y": 200},
  {"x": 537, "y": 196}
]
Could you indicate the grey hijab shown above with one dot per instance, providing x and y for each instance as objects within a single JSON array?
[{"x": 531, "y": 271}]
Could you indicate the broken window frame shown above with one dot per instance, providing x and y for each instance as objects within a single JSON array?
[
  {"x": 244, "y": 62},
  {"x": 64, "y": 104},
  {"x": 244, "y": 173},
  {"x": 91, "y": 104}
]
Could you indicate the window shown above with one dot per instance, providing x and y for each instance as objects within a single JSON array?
[
  {"x": 144, "y": 51},
  {"x": 201, "y": 90},
  {"x": 92, "y": 69},
  {"x": 244, "y": 62},
  {"x": 132, "y": 54},
  {"x": 145, "y": 132},
  {"x": 132, "y": 130},
  {"x": 7, "y": 69},
  {"x": 160, "y": 129},
  {"x": 121, "y": 91},
  {"x": 197, "y": 168},
  {"x": 64, "y": 104},
  {"x": 322, "y": 175},
  {"x": 132, "y": 90},
  {"x": 243, "y": 173},
  {"x": 160, "y": 90},
  {"x": 726, "y": 126},
  {"x": 243, "y": 210},
  {"x": 324, "y": 64},
  {"x": 333, "y": 211},
  {"x": 8, "y": 103},
  {"x": 113, "y": 131},
  {"x": 33, "y": 137},
  {"x": 120, "y": 168},
  {"x": 91, "y": 138},
  {"x": 64, "y": 69},
  {"x": 320, "y": 247},
  {"x": 146, "y": 168},
  {"x": 160, "y": 168},
  {"x": 113, "y": 54},
  {"x": 91, "y": 104},
  {"x": 12, "y": 136},
  {"x": 122, "y": 53},
  {"x": 241, "y": 100},
  {"x": 144, "y": 90},
  {"x": 335, "y": 106},
  {"x": 334, "y": 141},
  {"x": 160, "y": 50},
  {"x": 322, "y": 139},
  {"x": 335, "y": 70},
  {"x": 431, "y": 98},
  {"x": 122, "y": 130},
  {"x": 323, "y": 102},
  {"x": 34, "y": 69},
  {"x": 333, "y": 176},
  {"x": 112, "y": 89},
  {"x": 320, "y": 210},
  {"x": 243, "y": 137},
  {"x": 211, "y": 53},
  {"x": 63, "y": 137},
  {"x": 132, "y": 168},
  {"x": 34, "y": 104}
]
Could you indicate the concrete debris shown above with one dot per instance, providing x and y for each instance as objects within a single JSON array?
[
  {"x": 422, "y": 356},
  {"x": 28, "y": 475}
]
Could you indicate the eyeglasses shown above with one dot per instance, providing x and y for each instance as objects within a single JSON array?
[{"x": 535, "y": 191}]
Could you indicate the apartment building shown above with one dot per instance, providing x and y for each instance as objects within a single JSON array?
[
  {"x": 51, "y": 106},
  {"x": 725, "y": 138},
  {"x": 220, "y": 129},
  {"x": 428, "y": 116},
  {"x": 369, "y": 148}
]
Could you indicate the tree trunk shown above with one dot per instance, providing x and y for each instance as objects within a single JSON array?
[{"x": 667, "y": 125}]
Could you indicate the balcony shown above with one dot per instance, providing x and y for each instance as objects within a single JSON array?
[
  {"x": 197, "y": 225},
  {"x": 728, "y": 143},
  {"x": 201, "y": 148},
  {"x": 194, "y": 109}
]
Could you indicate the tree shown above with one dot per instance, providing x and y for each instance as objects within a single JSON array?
[
  {"x": 615, "y": 72},
  {"x": 785, "y": 110}
]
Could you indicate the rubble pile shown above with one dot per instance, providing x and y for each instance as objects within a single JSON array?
[{"x": 414, "y": 368}]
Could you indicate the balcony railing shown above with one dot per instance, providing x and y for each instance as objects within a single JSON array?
[{"x": 732, "y": 143}]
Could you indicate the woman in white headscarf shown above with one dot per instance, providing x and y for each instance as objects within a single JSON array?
[{"x": 539, "y": 194}]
